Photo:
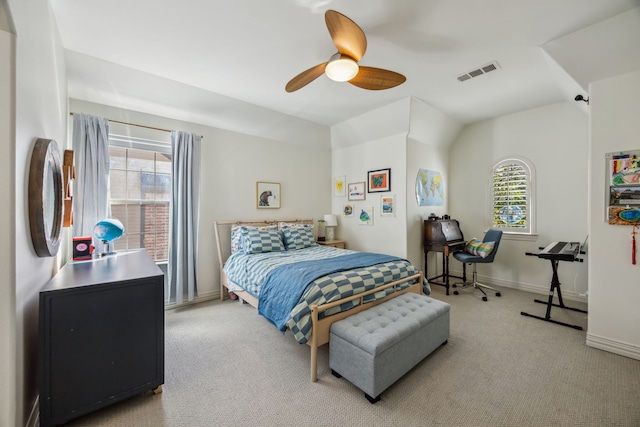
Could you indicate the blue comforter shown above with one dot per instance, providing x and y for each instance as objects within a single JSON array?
[{"x": 281, "y": 289}]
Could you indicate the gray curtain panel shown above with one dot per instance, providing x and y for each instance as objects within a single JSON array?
[
  {"x": 184, "y": 217},
  {"x": 91, "y": 192}
]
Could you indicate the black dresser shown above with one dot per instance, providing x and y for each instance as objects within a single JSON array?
[{"x": 101, "y": 335}]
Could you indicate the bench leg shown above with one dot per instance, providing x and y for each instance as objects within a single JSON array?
[{"x": 372, "y": 400}]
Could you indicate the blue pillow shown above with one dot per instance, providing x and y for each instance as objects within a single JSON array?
[
  {"x": 298, "y": 237},
  {"x": 257, "y": 241}
]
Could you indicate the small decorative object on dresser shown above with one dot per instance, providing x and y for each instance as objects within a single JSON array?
[{"x": 107, "y": 231}]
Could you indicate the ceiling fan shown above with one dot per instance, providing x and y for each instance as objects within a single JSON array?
[{"x": 343, "y": 66}]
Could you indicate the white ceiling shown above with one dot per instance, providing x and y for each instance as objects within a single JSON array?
[{"x": 247, "y": 50}]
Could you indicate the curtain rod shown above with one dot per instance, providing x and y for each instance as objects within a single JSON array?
[{"x": 140, "y": 126}]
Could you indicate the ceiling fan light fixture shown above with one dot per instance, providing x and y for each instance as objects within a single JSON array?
[{"x": 341, "y": 68}]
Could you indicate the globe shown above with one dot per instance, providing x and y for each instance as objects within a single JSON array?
[
  {"x": 108, "y": 230},
  {"x": 511, "y": 214}
]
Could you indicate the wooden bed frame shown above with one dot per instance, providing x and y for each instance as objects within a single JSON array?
[{"x": 320, "y": 328}]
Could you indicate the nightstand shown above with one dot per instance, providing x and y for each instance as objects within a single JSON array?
[{"x": 335, "y": 243}]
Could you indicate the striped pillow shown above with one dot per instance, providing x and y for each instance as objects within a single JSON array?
[
  {"x": 298, "y": 237},
  {"x": 236, "y": 236},
  {"x": 257, "y": 241},
  {"x": 481, "y": 249}
]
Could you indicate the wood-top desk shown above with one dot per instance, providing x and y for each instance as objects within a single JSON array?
[{"x": 442, "y": 235}]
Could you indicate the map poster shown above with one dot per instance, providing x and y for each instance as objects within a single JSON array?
[{"x": 429, "y": 191}]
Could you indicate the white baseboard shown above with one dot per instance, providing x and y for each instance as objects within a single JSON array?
[
  {"x": 616, "y": 347},
  {"x": 200, "y": 298},
  {"x": 601, "y": 343},
  {"x": 567, "y": 294}
]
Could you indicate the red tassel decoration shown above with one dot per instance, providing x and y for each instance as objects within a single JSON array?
[{"x": 633, "y": 245}]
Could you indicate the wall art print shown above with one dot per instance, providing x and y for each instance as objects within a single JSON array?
[
  {"x": 379, "y": 181},
  {"x": 268, "y": 195},
  {"x": 339, "y": 186},
  {"x": 348, "y": 210},
  {"x": 365, "y": 217},
  {"x": 429, "y": 188},
  {"x": 387, "y": 206},
  {"x": 356, "y": 191},
  {"x": 624, "y": 188}
]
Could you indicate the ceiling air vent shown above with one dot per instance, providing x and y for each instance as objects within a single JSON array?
[{"x": 479, "y": 71}]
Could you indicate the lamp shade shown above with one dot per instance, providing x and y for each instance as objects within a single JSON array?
[{"x": 331, "y": 220}]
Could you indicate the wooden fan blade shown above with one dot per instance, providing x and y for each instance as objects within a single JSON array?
[
  {"x": 305, "y": 77},
  {"x": 377, "y": 78},
  {"x": 346, "y": 34}
]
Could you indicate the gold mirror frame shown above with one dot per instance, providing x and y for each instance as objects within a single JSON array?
[{"x": 45, "y": 197}]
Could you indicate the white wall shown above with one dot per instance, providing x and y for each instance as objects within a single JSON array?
[
  {"x": 232, "y": 163},
  {"x": 614, "y": 317},
  {"x": 387, "y": 234},
  {"x": 40, "y": 111},
  {"x": 7, "y": 213},
  {"x": 372, "y": 141},
  {"x": 554, "y": 139},
  {"x": 434, "y": 158},
  {"x": 431, "y": 134},
  {"x": 405, "y": 135}
]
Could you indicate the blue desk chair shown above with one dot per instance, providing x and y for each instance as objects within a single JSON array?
[{"x": 466, "y": 257}]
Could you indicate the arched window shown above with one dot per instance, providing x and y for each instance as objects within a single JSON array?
[{"x": 512, "y": 196}]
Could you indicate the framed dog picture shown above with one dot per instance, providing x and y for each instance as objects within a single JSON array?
[{"x": 268, "y": 195}]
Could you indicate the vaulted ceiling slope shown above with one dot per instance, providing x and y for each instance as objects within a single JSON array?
[{"x": 227, "y": 56}]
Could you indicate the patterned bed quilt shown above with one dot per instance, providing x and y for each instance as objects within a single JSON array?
[{"x": 287, "y": 283}]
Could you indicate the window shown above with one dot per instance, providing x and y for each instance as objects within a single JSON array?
[
  {"x": 512, "y": 196},
  {"x": 140, "y": 192}
]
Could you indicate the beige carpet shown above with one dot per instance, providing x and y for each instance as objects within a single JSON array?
[{"x": 228, "y": 366}]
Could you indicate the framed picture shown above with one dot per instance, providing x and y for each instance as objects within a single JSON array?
[
  {"x": 339, "y": 186},
  {"x": 356, "y": 191},
  {"x": 379, "y": 181},
  {"x": 387, "y": 206},
  {"x": 348, "y": 210},
  {"x": 268, "y": 195},
  {"x": 365, "y": 216}
]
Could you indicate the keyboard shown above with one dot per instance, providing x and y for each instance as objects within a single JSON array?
[{"x": 563, "y": 251}]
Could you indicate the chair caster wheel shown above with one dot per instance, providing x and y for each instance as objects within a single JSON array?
[
  {"x": 498, "y": 294},
  {"x": 453, "y": 285},
  {"x": 484, "y": 298},
  {"x": 455, "y": 292}
]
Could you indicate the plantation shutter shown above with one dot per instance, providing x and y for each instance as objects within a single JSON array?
[{"x": 510, "y": 197}]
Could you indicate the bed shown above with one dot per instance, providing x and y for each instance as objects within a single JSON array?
[{"x": 300, "y": 286}]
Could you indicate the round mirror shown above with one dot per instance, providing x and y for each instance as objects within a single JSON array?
[{"x": 45, "y": 197}]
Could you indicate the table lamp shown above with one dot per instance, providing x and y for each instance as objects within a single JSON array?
[{"x": 330, "y": 221}]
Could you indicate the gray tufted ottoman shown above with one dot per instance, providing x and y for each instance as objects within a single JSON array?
[{"x": 374, "y": 348}]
